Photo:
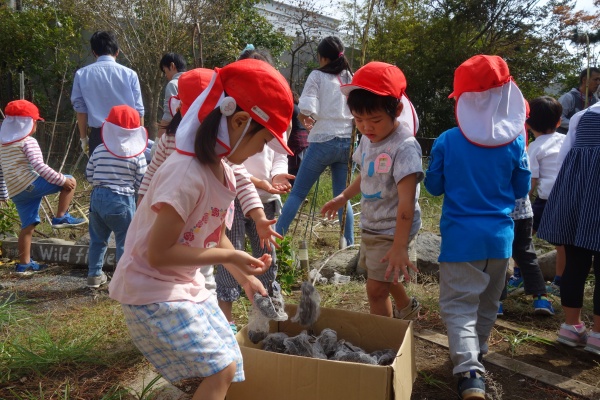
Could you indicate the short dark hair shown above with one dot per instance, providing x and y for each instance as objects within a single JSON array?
[
  {"x": 104, "y": 43},
  {"x": 583, "y": 74},
  {"x": 544, "y": 114},
  {"x": 206, "y": 136},
  {"x": 174, "y": 58},
  {"x": 362, "y": 101}
]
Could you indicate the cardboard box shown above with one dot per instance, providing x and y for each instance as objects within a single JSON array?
[{"x": 273, "y": 376}]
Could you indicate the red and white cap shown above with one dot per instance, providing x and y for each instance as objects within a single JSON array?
[
  {"x": 253, "y": 85},
  {"x": 490, "y": 109},
  {"x": 385, "y": 79},
  {"x": 122, "y": 134},
  {"x": 190, "y": 84},
  {"x": 20, "y": 118}
]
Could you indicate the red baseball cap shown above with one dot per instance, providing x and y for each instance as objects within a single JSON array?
[
  {"x": 260, "y": 90},
  {"x": 19, "y": 121},
  {"x": 122, "y": 134},
  {"x": 490, "y": 109},
  {"x": 257, "y": 88},
  {"x": 480, "y": 73},
  {"x": 190, "y": 85},
  {"x": 380, "y": 78},
  {"x": 22, "y": 108}
]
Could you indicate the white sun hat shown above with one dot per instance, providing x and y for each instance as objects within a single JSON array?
[
  {"x": 122, "y": 134},
  {"x": 19, "y": 122},
  {"x": 490, "y": 109}
]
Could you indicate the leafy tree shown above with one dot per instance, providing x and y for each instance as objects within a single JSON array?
[
  {"x": 428, "y": 40},
  {"x": 146, "y": 29},
  {"x": 42, "y": 42}
]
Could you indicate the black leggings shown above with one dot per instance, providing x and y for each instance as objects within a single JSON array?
[{"x": 579, "y": 261}]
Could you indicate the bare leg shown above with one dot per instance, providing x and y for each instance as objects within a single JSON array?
[
  {"x": 226, "y": 307},
  {"x": 379, "y": 297},
  {"x": 64, "y": 201},
  {"x": 215, "y": 386},
  {"x": 400, "y": 297},
  {"x": 561, "y": 260},
  {"x": 24, "y": 244},
  {"x": 573, "y": 316}
]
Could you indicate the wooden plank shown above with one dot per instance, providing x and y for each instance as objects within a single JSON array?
[
  {"x": 62, "y": 252},
  {"x": 550, "y": 378}
]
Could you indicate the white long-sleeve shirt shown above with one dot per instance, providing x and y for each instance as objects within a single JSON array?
[{"x": 323, "y": 100}]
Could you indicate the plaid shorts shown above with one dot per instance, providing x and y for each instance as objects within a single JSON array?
[{"x": 184, "y": 340}]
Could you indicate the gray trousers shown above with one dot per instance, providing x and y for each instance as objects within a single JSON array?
[
  {"x": 228, "y": 288},
  {"x": 469, "y": 300}
]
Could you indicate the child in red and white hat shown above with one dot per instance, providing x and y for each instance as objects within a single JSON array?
[
  {"x": 481, "y": 168},
  {"x": 26, "y": 179},
  {"x": 179, "y": 227},
  {"x": 390, "y": 162},
  {"x": 115, "y": 170}
]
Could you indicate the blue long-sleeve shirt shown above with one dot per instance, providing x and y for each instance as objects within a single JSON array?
[
  {"x": 102, "y": 85},
  {"x": 480, "y": 186}
]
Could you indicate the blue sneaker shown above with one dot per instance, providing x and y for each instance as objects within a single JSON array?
[
  {"x": 471, "y": 386},
  {"x": 67, "y": 221},
  {"x": 31, "y": 268},
  {"x": 542, "y": 306},
  {"x": 515, "y": 286},
  {"x": 500, "y": 310}
]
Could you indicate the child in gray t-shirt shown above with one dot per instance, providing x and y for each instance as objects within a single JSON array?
[{"x": 390, "y": 162}]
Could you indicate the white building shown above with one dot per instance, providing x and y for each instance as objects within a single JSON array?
[{"x": 307, "y": 27}]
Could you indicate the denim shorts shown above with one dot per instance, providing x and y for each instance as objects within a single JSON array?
[{"x": 29, "y": 200}]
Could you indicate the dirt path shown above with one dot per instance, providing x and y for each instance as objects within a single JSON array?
[{"x": 63, "y": 287}]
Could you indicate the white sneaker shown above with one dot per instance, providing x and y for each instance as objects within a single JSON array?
[
  {"x": 95, "y": 282},
  {"x": 411, "y": 311}
]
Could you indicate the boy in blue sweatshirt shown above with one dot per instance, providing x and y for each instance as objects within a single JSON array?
[{"x": 481, "y": 168}]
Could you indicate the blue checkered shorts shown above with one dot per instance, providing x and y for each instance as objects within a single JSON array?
[{"x": 184, "y": 340}]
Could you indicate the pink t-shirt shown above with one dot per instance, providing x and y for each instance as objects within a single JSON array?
[{"x": 203, "y": 202}]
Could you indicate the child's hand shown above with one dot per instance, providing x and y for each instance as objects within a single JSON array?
[
  {"x": 307, "y": 121},
  {"x": 70, "y": 184},
  {"x": 398, "y": 263},
  {"x": 282, "y": 182},
  {"x": 253, "y": 285},
  {"x": 267, "y": 187},
  {"x": 250, "y": 265},
  {"x": 266, "y": 233},
  {"x": 331, "y": 208}
]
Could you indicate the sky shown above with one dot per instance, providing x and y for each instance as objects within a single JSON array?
[{"x": 330, "y": 8}]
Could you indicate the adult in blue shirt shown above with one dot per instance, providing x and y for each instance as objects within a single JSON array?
[{"x": 100, "y": 86}]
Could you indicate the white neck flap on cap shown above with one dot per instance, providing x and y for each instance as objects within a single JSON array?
[
  {"x": 185, "y": 136},
  {"x": 14, "y": 129},
  {"x": 122, "y": 142},
  {"x": 408, "y": 117},
  {"x": 492, "y": 118}
]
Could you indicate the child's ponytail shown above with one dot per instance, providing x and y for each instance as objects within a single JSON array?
[
  {"x": 332, "y": 48},
  {"x": 174, "y": 124},
  {"x": 206, "y": 138}
]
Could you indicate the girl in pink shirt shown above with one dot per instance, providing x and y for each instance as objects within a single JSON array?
[{"x": 179, "y": 227}]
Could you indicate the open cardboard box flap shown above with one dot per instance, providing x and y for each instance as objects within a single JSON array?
[{"x": 281, "y": 376}]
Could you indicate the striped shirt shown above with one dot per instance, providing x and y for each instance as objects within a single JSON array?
[
  {"x": 121, "y": 175},
  {"x": 20, "y": 164},
  {"x": 246, "y": 192}
]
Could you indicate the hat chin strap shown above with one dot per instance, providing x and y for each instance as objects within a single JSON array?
[{"x": 233, "y": 149}]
